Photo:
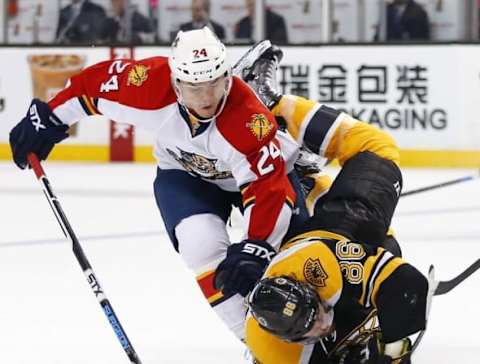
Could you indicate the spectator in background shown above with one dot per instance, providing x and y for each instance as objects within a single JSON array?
[
  {"x": 127, "y": 25},
  {"x": 201, "y": 18},
  {"x": 406, "y": 20},
  {"x": 80, "y": 23},
  {"x": 478, "y": 17},
  {"x": 276, "y": 30}
]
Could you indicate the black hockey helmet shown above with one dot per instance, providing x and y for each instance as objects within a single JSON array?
[{"x": 284, "y": 306}]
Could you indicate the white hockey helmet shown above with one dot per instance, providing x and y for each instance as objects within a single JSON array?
[
  {"x": 198, "y": 56},
  {"x": 201, "y": 74}
]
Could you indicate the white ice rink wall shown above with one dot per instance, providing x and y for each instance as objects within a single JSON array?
[{"x": 426, "y": 96}]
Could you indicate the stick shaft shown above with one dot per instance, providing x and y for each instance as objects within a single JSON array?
[
  {"x": 82, "y": 260},
  {"x": 438, "y": 185},
  {"x": 446, "y": 286}
]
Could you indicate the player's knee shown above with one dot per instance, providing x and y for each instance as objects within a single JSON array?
[{"x": 202, "y": 240}]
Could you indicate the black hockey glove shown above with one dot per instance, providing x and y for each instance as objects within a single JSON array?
[
  {"x": 243, "y": 267},
  {"x": 37, "y": 132},
  {"x": 373, "y": 352},
  {"x": 363, "y": 354}
]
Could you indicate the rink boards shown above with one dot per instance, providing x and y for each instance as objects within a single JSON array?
[{"x": 426, "y": 96}]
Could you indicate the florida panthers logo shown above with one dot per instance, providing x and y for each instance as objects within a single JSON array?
[
  {"x": 137, "y": 75},
  {"x": 260, "y": 126},
  {"x": 199, "y": 166}
]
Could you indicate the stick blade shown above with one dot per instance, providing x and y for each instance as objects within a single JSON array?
[{"x": 446, "y": 286}]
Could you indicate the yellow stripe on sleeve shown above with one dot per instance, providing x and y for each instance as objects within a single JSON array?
[
  {"x": 367, "y": 273},
  {"x": 89, "y": 104},
  {"x": 323, "y": 182},
  {"x": 384, "y": 274},
  {"x": 353, "y": 137}
]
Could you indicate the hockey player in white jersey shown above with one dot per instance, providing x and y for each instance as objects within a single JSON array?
[{"x": 216, "y": 146}]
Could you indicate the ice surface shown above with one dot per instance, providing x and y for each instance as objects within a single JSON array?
[{"x": 48, "y": 314}]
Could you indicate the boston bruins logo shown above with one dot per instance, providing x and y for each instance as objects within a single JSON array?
[
  {"x": 314, "y": 272},
  {"x": 137, "y": 75},
  {"x": 260, "y": 126}
]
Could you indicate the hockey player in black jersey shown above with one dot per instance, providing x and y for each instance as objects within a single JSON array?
[
  {"x": 328, "y": 297},
  {"x": 335, "y": 293}
]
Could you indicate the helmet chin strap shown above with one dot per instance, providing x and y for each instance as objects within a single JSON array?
[{"x": 181, "y": 100}]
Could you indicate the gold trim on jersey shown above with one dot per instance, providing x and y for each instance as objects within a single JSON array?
[
  {"x": 391, "y": 232},
  {"x": 323, "y": 183},
  {"x": 289, "y": 202},
  {"x": 90, "y": 105},
  {"x": 215, "y": 297},
  {"x": 205, "y": 281},
  {"x": 194, "y": 123},
  {"x": 312, "y": 235},
  {"x": 377, "y": 269},
  {"x": 367, "y": 272},
  {"x": 248, "y": 201},
  {"x": 384, "y": 274}
]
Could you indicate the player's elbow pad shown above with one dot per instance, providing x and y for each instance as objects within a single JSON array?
[
  {"x": 401, "y": 303},
  {"x": 362, "y": 199}
]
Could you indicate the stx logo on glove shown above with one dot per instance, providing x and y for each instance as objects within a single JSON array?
[
  {"x": 258, "y": 251},
  {"x": 35, "y": 118}
]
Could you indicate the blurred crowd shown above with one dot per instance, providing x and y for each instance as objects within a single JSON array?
[{"x": 96, "y": 22}]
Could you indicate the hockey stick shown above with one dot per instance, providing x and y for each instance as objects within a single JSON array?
[
  {"x": 446, "y": 286},
  {"x": 439, "y": 185},
  {"x": 437, "y": 288},
  {"x": 82, "y": 259}
]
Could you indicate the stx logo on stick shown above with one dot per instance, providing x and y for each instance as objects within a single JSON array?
[
  {"x": 94, "y": 284},
  {"x": 258, "y": 251}
]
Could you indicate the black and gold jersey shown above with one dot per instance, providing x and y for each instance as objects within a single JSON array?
[
  {"x": 339, "y": 252},
  {"x": 331, "y": 133},
  {"x": 334, "y": 135},
  {"x": 347, "y": 275}
]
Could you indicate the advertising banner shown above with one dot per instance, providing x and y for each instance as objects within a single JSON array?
[
  {"x": 413, "y": 92},
  {"x": 41, "y": 72},
  {"x": 426, "y": 97},
  {"x": 409, "y": 91}
]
